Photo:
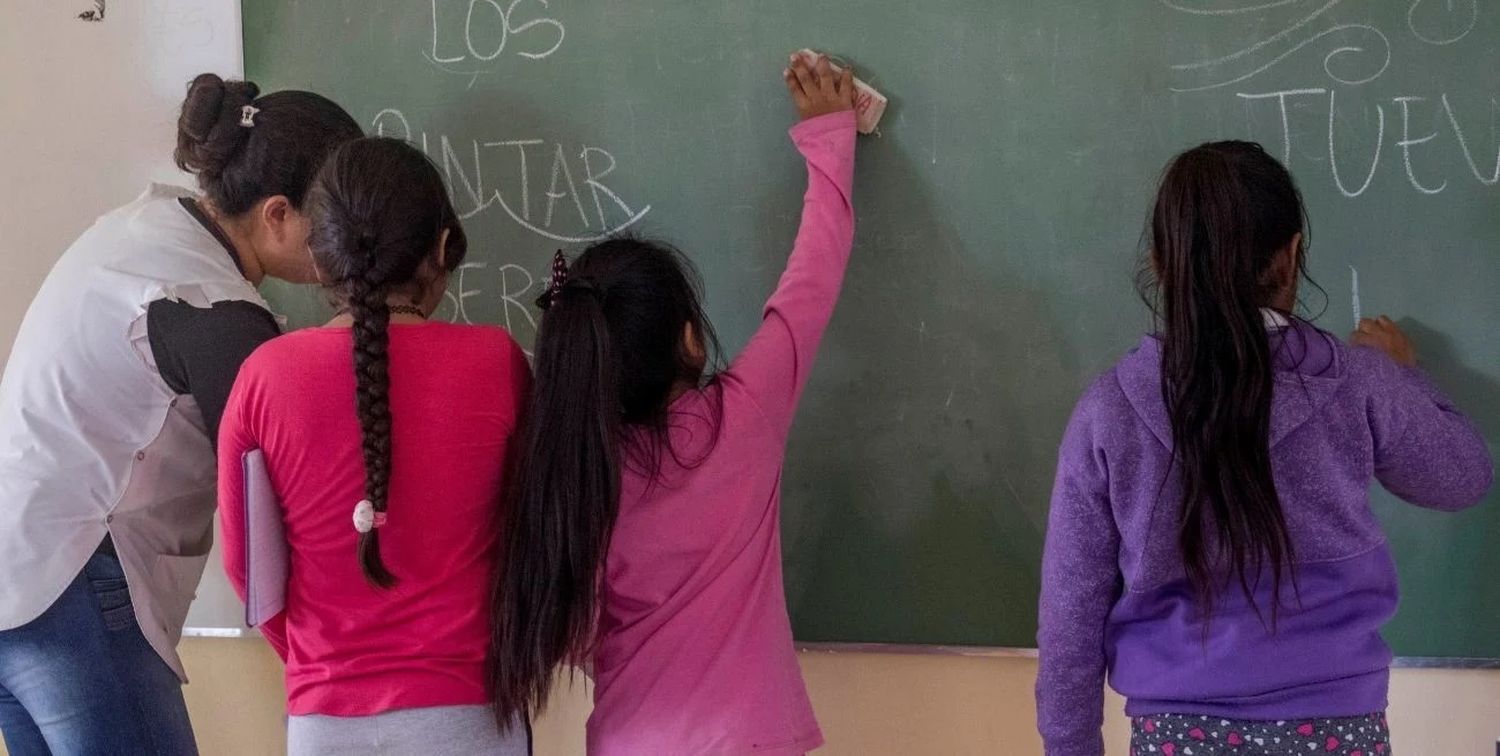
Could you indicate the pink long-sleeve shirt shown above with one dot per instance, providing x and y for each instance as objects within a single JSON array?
[
  {"x": 351, "y": 649},
  {"x": 695, "y": 651}
]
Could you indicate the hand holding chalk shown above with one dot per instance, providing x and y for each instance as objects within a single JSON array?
[
  {"x": 869, "y": 105},
  {"x": 816, "y": 88},
  {"x": 1385, "y": 335}
]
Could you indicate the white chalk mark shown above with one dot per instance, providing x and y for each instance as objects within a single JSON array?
[
  {"x": 474, "y": 189},
  {"x": 1327, "y": 60},
  {"x": 1463, "y": 144},
  {"x": 520, "y": 145},
  {"x": 464, "y": 293},
  {"x": 473, "y": 75},
  {"x": 1411, "y": 22},
  {"x": 1228, "y": 11},
  {"x": 1354, "y": 287},
  {"x": 949, "y": 402},
  {"x": 1286, "y": 125},
  {"x": 1333, "y": 160},
  {"x": 378, "y": 122},
  {"x": 595, "y": 186},
  {"x": 523, "y": 28},
  {"x": 1407, "y": 143},
  {"x": 499, "y": 200},
  {"x": 1277, "y": 37},
  {"x": 469, "y": 26},
  {"x": 560, "y": 168},
  {"x": 508, "y": 297},
  {"x": 934, "y": 134},
  {"x": 434, "y": 57}
]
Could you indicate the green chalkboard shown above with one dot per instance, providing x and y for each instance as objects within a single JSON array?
[{"x": 1000, "y": 217}]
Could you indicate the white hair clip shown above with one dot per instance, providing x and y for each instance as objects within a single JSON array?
[
  {"x": 247, "y": 115},
  {"x": 366, "y": 518}
]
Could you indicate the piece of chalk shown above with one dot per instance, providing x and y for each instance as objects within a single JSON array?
[{"x": 869, "y": 104}]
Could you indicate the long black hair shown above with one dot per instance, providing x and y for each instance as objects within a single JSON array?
[
  {"x": 242, "y": 157},
  {"x": 1224, "y": 214},
  {"x": 616, "y": 340},
  {"x": 377, "y": 210}
]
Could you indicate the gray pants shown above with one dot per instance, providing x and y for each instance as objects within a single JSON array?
[{"x": 436, "y": 731}]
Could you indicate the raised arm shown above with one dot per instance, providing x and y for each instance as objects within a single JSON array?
[{"x": 774, "y": 366}]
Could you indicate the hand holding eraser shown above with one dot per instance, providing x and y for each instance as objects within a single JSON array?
[{"x": 869, "y": 104}]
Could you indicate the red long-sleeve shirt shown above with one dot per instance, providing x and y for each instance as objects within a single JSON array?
[{"x": 456, "y": 394}]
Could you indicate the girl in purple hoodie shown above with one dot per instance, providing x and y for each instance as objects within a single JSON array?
[{"x": 1211, "y": 544}]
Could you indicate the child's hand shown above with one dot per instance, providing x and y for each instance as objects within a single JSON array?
[
  {"x": 817, "y": 89},
  {"x": 1385, "y": 335}
]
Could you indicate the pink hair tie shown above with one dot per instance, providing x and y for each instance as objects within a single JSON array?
[{"x": 366, "y": 518}]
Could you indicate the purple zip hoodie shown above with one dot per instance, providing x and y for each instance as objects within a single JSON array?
[{"x": 1115, "y": 595}]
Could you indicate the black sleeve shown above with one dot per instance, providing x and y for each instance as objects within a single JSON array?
[{"x": 199, "y": 350}]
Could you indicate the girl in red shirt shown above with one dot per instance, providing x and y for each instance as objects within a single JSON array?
[{"x": 385, "y": 437}]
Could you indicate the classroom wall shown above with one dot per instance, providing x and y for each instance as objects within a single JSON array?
[
  {"x": 868, "y": 704},
  {"x": 88, "y": 116}
]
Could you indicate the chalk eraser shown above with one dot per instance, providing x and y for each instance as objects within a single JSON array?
[{"x": 869, "y": 104}]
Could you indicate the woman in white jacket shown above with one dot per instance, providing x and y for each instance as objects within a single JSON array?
[{"x": 108, "y": 411}]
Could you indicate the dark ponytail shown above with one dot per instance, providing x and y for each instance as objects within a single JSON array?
[
  {"x": 609, "y": 353},
  {"x": 240, "y": 159},
  {"x": 1223, "y": 214},
  {"x": 377, "y": 210}
]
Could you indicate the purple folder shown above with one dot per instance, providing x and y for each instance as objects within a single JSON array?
[{"x": 266, "y": 558}]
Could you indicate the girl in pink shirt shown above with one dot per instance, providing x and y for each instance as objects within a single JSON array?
[
  {"x": 385, "y": 438},
  {"x": 643, "y": 538}
]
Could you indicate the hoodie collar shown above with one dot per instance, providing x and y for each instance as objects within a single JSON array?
[{"x": 1310, "y": 368}]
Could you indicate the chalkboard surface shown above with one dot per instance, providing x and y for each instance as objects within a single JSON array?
[{"x": 1000, "y": 216}]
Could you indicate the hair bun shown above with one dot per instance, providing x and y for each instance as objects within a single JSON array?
[{"x": 208, "y": 131}]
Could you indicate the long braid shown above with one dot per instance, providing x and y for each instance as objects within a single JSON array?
[
  {"x": 377, "y": 212},
  {"x": 367, "y": 289}
]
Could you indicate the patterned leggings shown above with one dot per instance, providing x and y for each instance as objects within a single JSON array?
[{"x": 1179, "y": 735}]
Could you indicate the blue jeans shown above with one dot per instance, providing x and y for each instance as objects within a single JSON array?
[{"x": 81, "y": 679}]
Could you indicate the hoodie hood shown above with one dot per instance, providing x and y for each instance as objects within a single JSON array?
[{"x": 1310, "y": 366}]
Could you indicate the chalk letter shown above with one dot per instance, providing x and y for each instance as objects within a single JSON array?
[
  {"x": 1407, "y": 143},
  {"x": 1286, "y": 128},
  {"x": 560, "y": 167},
  {"x": 396, "y": 118},
  {"x": 520, "y": 145},
  {"x": 463, "y": 294},
  {"x": 474, "y": 190},
  {"x": 509, "y": 296},
  {"x": 435, "y": 57},
  {"x": 469, "y": 29},
  {"x": 1493, "y": 178},
  {"x": 595, "y": 187},
  {"x": 1333, "y": 155}
]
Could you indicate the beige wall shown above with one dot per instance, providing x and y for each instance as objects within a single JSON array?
[{"x": 868, "y": 704}]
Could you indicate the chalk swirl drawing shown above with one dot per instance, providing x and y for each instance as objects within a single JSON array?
[
  {"x": 1361, "y": 53},
  {"x": 491, "y": 29},
  {"x": 1358, "y": 52},
  {"x": 1445, "y": 25}
]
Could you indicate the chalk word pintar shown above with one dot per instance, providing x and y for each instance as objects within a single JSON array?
[{"x": 576, "y": 206}]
